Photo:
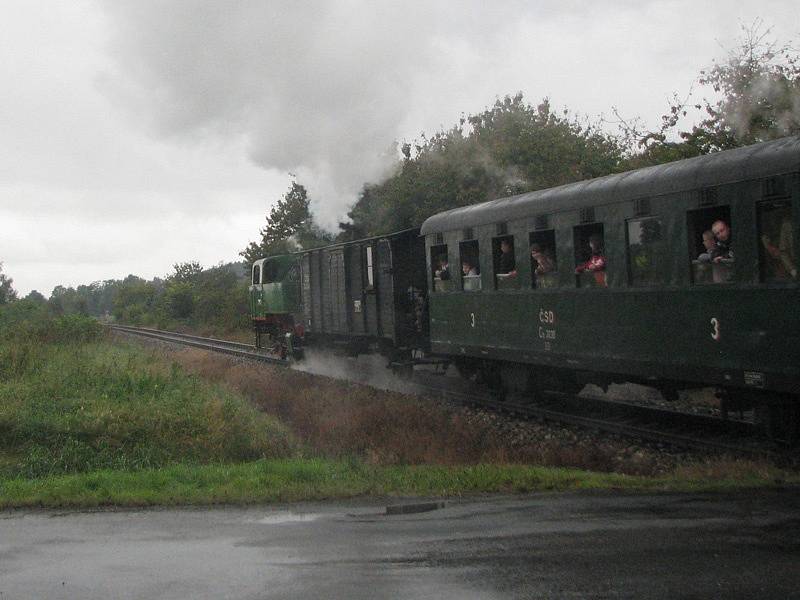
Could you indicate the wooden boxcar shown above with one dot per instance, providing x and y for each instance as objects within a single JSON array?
[
  {"x": 367, "y": 292},
  {"x": 659, "y": 311},
  {"x": 361, "y": 294}
]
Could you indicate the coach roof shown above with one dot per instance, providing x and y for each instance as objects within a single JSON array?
[{"x": 751, "y": 162}]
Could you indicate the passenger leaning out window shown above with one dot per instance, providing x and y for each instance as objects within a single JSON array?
[
  {"x": 724, "y": 249},
  {"x": 710, "y": 245},
  {"x": 597, "y": 261},
  {"x": 468, "y": 269},
  {"x": 543, "y": 261}
]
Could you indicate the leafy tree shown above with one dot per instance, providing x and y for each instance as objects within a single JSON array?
[
  {"x": 135, "y": 299},
  {"x": 185, "y": 271},
  {"x": 35, "y": 297},
  {"x": 509, "y": 148},
  {"x": 753, "y": 95},
  {"x": 289, "y": 227},
  {"x": 7, "y": 292}
]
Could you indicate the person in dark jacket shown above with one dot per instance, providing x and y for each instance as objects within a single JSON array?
[
  {"x": 507, "y": 265},
  {"x": 443, "y": 272}
]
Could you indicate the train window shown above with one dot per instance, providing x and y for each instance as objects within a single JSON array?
[
  {"x": 256, "y": 274},
  {"x": 269, "y": 272},
  {"x": 777, "y": 257},
  {"x": 440, "y": 268},
  {"x": 505, "y": 263},
  {"x": 470, "y": 266},
  {"x": 590, "y": 258},
  {"x": 370, "y": 268},
  {"x": 544, "y": 271},
  {"x": 710, "y": 245},
  {"x": 646, "y": 252}
]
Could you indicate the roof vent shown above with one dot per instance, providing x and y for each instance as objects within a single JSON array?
[
  {"x": 587, "y": 214},
  {"x": 774, "y": 187},
  {"x": 542, "y": 222},
  {"x": 641, "y": 207},
  {"x": 468, "y": 233},
  {"x": 502, "y": 228},
  {"x": 708, "y": 197},
  {"x": 439, "y": 238}
]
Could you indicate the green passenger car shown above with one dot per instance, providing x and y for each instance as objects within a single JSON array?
[{"x": 679, "y": 275}]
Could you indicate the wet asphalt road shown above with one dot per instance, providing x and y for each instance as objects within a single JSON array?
[{"x": 744, "y": 545}]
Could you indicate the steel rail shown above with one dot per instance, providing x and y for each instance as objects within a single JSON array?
[{"x": 222, "y": 346}]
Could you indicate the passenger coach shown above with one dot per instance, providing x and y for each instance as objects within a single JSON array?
[{"x": 658, "y": 311}]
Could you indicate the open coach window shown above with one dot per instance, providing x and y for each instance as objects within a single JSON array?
[
  {"x": 590, "y": 255},
  {"x": 542, "y": 245},
  {"x": 505, "y": 263},
  {"x": 470, "y": 269},
  {"x": 256, "y": 274},
  {"x": 711, "y": 245},
  {"x": 776, "y": 251},
  {"x": 647, "y": 252},
  {"x": 440, "y": 268}
]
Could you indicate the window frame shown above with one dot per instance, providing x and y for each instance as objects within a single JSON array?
[
  {"x": 660, "y": 268},
  {"x": 786, "y": 201},
  {"x": 439, "y": 286},
  {"x": 476, "y": 265},
  {"x": 694, "y": 217},
  {"x": 510, "y": 282},
  {"x": 576, "y": 247},
  {"x": 532, "y": 239}
]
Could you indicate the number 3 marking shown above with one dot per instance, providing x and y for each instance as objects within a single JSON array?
[
  {"x": 715, "y": 323},
  {"x": 472, "y": 319}
]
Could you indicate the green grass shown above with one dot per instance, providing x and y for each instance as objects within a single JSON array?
[
  {"x": 84, "y": 422},
  {"x": 70, "y": 407},
  {"x": 289, "y": 480}
]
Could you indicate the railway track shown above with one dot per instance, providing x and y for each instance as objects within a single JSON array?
[
  {"x": 655, "y": 425},
  {"x": 223, "y": 346}
]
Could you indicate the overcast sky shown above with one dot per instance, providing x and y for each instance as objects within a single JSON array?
[{"x": 136, "y": 134}]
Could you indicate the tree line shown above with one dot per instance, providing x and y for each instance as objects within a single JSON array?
[{"x": 192, "y": 297}]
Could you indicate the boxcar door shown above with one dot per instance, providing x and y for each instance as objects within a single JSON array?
[
  {"x": 371, "y": 291},
  {"x": 338, "y": 292},
  {"x": 355, "y": 273},
  {"x": 385, "y": 280},
  {"x": 305, "y": 291}
]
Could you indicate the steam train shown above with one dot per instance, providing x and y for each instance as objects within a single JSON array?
[{"x": 661, "y": 311}]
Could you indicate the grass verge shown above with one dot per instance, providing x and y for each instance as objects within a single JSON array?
[{"x": 290, "y": 480}]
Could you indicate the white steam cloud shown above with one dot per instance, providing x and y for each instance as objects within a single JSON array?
[{"x": 320, "y": 89}]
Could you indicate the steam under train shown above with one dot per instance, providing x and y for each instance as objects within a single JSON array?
[{"x": 660, "y": 310}]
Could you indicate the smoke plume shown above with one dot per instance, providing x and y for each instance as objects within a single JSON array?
[{"x": 320, "y": 89}]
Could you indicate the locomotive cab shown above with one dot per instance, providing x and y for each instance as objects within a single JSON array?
[{"x": 275, "y": 304}]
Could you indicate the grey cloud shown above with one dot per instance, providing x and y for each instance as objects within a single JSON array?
[{"x": 320, "y": 89}]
